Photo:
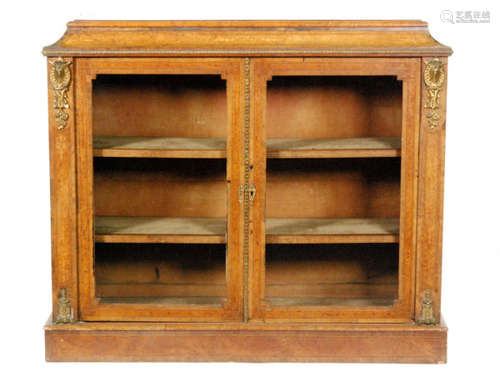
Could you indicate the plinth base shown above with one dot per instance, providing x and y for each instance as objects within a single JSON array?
[{"x": 399, "y": 343}]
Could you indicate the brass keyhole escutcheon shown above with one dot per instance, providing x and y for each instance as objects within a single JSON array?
[{"x": 251, "y": 192}]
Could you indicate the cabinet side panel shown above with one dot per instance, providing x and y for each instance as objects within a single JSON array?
[
  {"x": 63, "y": 189},
  {"x": 430, "y": 195}
]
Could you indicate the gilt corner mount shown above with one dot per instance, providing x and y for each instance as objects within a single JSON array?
[
  {"x": 60, "y": 79},
  {"x": 434, "y": 76}
]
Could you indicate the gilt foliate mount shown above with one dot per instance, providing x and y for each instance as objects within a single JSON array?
[
  {"x": 434, "y": 76},
  {"x": 427, "y": 316},
  {"x": 64, "y": 311},
  {"x": 60, "y": 80}
]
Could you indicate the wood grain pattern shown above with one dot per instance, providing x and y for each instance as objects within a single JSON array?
[
  {"x": 164, "y": 300},
  {"x": 166, "y": 147},
  {"x": 399, "y": 197},
  {"x": 160, "y": 270},
  {"x": 62, "y": 199},
  {"x": 430, "y": 202},
  {"x": 333, "y": 188},
  {"x": 213, "y": 230},
  {"x": 246, "y": 342},
  {"x": 331, "y": 302},
  {"x": 331, "y": 230},
  {"x": 315, "y": 147},
  {"x": 161, "y": 188},
  {"x": 247, "y": 38},
  {"x": 333, "y": 148},
  {"x": 311, "y": 105},
  {"x": 164, "y": 290},
  {"x": 163, "y": 104},
  {"x": 240, "y": 326},
  {"x": 342, "y": 271},
  {"x": 160, "y": 229},
  {"x": 346, "y": 291},
  {"x": 91, "y": 309},
  {"x": 159, "y": 147}
]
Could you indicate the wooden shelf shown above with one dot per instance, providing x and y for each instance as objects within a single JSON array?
[
  {"x": 159, "y": 147},
  {"x": 332, "y": 230},
  {"x": 159, "y": 230},
  {"x": 331, "y": 302},
  {"x": 334, "y": 148},
  {"x": 170, "y": 300},
  {"x": 163, "y": 147},
  {"x": 213, "y": 230}
]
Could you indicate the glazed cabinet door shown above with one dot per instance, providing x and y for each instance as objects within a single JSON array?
[
  {"x": 158, "y": 163},
  {"x": 334, "y": 164}
]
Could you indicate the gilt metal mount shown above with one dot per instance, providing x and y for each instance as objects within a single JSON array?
[
  {"x": 60, "y": 78},
  {"x": 427, "y": 316},
  {"x": 434, "y": 76},
  {"x": 64, "y": 310}
]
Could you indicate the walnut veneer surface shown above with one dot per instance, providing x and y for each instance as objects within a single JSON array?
[{"x": 247, "y": 191}]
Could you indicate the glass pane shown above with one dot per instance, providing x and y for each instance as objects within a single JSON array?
[
  {"x": 343, "y": 274},
  {"x": 333, "y": 190},
  {"x": 154, "y": 273},
  {"x": 160, "y": 200},
  {"x": 319, "y": 107}
]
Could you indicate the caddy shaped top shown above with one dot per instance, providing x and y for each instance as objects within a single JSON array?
[{"x": 407, "y": 38}]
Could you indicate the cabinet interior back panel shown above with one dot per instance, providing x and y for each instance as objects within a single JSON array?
[
  {"x": 333, "y": 188},
  {"x": 146, "y": 270},
  {"x": 192, "y": 106},
  {"x": 332, "y": 271},
  {"x": 160, "y": 187},
  {"x": 333, "y": 107}
]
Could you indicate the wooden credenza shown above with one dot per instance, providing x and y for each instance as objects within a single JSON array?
[{"x": 247, "y": 191}]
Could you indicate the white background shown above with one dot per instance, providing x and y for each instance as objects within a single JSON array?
[{"x": 471, "y": 227}]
